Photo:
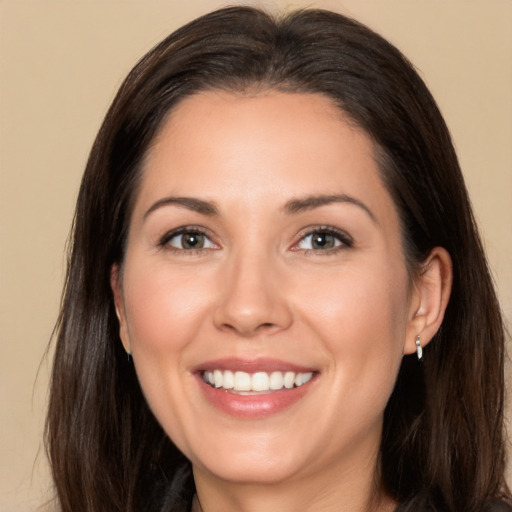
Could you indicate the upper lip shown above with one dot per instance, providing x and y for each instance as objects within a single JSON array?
[{"x": 252, "y": 365}]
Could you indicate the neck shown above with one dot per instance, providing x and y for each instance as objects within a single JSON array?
[{"x": 350, "y": 490}]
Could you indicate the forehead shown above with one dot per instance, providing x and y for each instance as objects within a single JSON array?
[{"x": 237, "y": 140}]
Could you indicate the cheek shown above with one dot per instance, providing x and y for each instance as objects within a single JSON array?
[
  {"x": 163, "y": 308},
  {"x": 371, "y": 302},
  {"x": 361, "y": 316},
  {"x": 164, "y": 312}
]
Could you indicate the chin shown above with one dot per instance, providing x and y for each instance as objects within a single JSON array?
[
  {"x": 263, "y": 458},
  {"x": 251, "y": 472}
]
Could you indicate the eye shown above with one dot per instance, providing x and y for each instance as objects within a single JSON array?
[
  {"x": 324, "y": 240},
  {"x": 187, "y": 240}
]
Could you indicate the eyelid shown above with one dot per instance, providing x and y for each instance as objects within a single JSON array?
[
  {"x": 346, "y": 240},
  {"x": 163, "y": 241},
  {"x": 341, "y": 235}
]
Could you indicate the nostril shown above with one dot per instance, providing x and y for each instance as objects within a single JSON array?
[
  {"x": 247, "y": 329},
  {"x": 248, "y": 314}
]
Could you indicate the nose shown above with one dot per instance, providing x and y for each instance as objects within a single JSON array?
[{"x": 252, "y": 298}]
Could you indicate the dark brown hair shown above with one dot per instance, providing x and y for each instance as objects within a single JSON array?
[{"x": 442, "y": 446}]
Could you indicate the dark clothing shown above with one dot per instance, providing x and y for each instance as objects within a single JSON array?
[{"x": 179, "y": 495}]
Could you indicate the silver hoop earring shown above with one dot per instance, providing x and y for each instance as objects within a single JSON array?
[{"x": 419, "y": 350}]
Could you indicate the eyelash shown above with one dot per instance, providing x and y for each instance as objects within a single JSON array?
[
  {"x": 164, "y": 242},
  {"x": 345, "y": 240}
]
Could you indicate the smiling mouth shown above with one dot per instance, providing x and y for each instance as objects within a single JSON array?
[{"x": 258, "y": 382}]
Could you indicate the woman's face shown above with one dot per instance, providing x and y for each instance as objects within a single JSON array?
[{"x": 264, "y": 256}]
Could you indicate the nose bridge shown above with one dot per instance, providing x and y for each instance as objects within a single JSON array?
[{"x": 252, "y": 296}]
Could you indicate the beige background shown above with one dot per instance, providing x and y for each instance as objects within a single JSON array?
[{"x": 60, "y": 65}]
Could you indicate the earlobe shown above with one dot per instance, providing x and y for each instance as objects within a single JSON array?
[
  {"x": 431, "y": 294},
  {"x": 115, "y": 285}
]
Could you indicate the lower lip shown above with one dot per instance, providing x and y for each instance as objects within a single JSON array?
[{"x": 253, "y": 406}]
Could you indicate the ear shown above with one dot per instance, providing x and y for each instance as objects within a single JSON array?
[
  {"x": 117, "y": 292},
  {"x": 430, "y": 295}
]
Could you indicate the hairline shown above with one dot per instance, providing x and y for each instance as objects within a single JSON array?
[{"x": 252, "y": 90}]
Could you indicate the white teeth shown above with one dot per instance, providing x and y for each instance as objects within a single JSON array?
[
  {"x": 276, "y": 380},
  {"x": 217, "y": 378},
  {"x": 242, "y": 381},
  {"x": 306, "y": 377},
  {"x": 302, "y": 378},
  {"x": 289, "y": 380},
  {"x": 259, "y": 381},
  {"x": 228, "y": 380}
]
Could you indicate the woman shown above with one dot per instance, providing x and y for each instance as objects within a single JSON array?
[{"x": 271, "y": 231}]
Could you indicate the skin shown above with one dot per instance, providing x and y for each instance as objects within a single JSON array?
[{"x": 259, "y": 288}]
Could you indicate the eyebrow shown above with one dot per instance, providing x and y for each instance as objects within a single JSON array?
[
  {"x": 190, "y": 203},
  {"x": 293, "y": 206},
  {"x": 311, "y": 202}
]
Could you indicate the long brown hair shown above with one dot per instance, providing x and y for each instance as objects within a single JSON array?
[{"x": 443, "y": 446}]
